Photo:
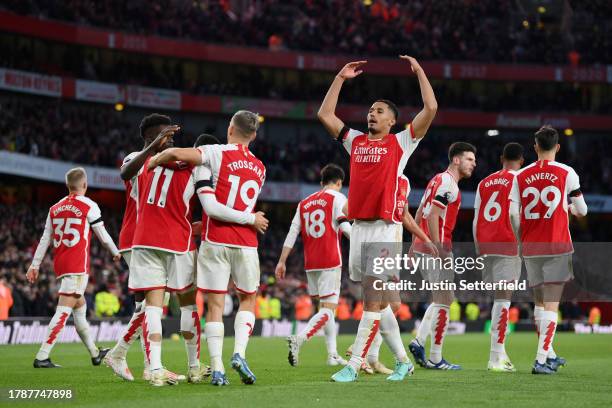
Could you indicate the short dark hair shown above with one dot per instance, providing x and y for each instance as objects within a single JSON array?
[
  {"x": 459, "y": 148},
  {"x": 513, "y": 152},
  {"x": 547, "y": 137},
  {"x": 206, "y": 139},
  {"x": 331, "y": 174},
  {"x": 152, "y": 120},
  {"x": 391, "y": 106}
]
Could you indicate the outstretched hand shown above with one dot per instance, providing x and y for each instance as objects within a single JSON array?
[
  {"x": 351, "y": 70},
  {"x": 413, "y": 63},
  {"x": 163, "y": 136}
]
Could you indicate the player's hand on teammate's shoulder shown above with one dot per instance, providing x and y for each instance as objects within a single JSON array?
[
  {"x": 261, "y": 222},
  {"x": 351, "y": 70},
  {"x": 281, "y": 268},
  {"x": 416, "y": 67},
  {"x": 32, "y": 275}
]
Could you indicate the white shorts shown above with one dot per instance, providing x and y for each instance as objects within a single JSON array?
[
  {"x": 74, "y": 285},
  {"x": 127, "y": 256},
  {"x": 549, "y": 269},
  {"x": 325, "y": 284},
  {"x": 217, "y": 263},
  {"x": 501, "y": 268},
  {"x": 156, "y": 269},
  {"x": 376, "y": 232}
]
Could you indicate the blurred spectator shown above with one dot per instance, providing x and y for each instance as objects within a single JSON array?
[
  {"x": 404, "y": 312},
  {"x": 454, "y": 312},
  {"x": 497, "y": 30},
  {"x": 303, "y": 306},
  {"x": 472, "y": 311},
  {"x": 6, "y": 299},
  {"x": 594, "y": 316},
  {"x": 107, "y": 303}
]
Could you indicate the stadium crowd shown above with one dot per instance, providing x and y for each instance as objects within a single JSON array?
[
  {"x": 503, "y": 31},
  {"x": 255, "y": 82},
  {"x": 82, "y": 134}
]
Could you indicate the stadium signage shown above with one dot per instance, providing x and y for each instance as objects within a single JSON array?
[
  {"x": 94, "y": 37},
  {"x": 28, "y": 82}
]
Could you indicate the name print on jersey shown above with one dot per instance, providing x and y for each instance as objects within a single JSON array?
[
  {"x": 541, "y": 176},
  {"x": 70, "y": 208},
  {"x": 248, "y": 165}
]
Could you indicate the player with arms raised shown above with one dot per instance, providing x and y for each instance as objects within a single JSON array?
[
  {"x": 437, "y": 215},
  {"x": 495, "y": 236},
  {"x": 542, "y": 190},
  {"x": 69, "y": 224},
  {"x": 319, "y": 220},
  {"x": 378, "y": 158},
  {"x": 229, "y": 249}
]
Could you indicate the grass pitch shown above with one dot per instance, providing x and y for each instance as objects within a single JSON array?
[{"x": 586, "y": 381}]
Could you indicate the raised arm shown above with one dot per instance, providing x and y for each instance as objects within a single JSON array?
[
  {"x": 423, "y": 119},
  {"x": 131, "y": 168},
  {"x": 189, "y": 155},
  {"x": 327, "y": 111}
]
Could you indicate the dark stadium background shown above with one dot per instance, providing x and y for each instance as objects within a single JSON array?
[{"x": 76, "y": 77}]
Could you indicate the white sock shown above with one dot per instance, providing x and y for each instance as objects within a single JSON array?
[
  {"x": 548, "y": 327},
  {"x": 330, "y": 331},
  {"x": 82, "y": 327},
  {"x": 56, "y": 325},
  {"x": 131, "y": 333},
  {"x": 499, "y": 329},
  {"x": 214, "y": 332},
  {"x": 389, "y": 329},
  {"x": 316, "y": 323},
  {"x": 425, "y": 326},
  {"x": 368, "y": 327},
  {"x": 439, "y": 326},
  {"x": 190, "y": 322},
  {"x": 537, "y": 313},
  {"x": 243, "y": 327},
  {"x": 374, "y": 351},
  {"x": 152, "y": 325}
]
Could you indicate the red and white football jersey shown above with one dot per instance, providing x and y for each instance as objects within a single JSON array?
[
  {"x": 71, "y": 219},
  {"x": 403, "y": 191},
  {"x": 237, "y": 179},
  {"x": 126, "y": 235},
  {"x": 376, "y": 166},
  {"x": 164, "y": 208},
  {"x": 492, "y": 227},
  {"x": 319, "y": 216},
  {"x": 542, "y": 190},
  {"x": 441, "y": 191}
]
